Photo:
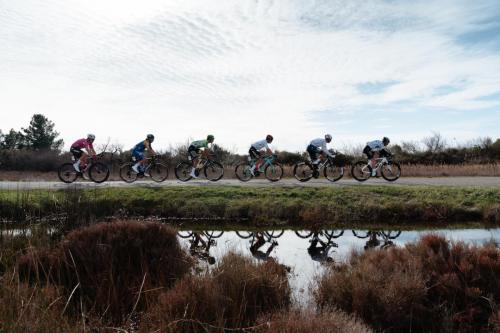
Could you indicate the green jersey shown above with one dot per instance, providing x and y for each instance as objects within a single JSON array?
[{"x": 200, "y": 144}]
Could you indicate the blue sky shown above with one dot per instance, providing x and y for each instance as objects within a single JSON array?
[{"x": 241, "y": 69}]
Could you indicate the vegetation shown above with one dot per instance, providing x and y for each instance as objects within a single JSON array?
[
  {"x": 428, "y": 286},
  {"x": 351, "y": 204}
]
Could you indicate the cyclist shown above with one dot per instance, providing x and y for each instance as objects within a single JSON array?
[
  {"x": 138, "y": 153},
  {"x": 320, "y": 253},
  {"x": 259, "y": 241},
  {"x": 195, "y": 150},
  {"x": 317, "y": 147},
  {"x": 374, "y": 149},
  {"x": 256, "y": 151},
  {"x": 80, "y": 155}
]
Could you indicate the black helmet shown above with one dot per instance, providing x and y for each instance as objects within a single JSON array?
[
  {"x": 269, "y": 138},
  {"x": 328, "y": 138},
  {"x": 210, "y": 138},
  {"x": 150, "y": 137},
  {"x": 386, "y": 141}
]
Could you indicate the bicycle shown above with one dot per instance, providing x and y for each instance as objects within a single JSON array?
[
  {"x": 212, "y": 169},
  {"x": 270, "y": 234},
  {"x": 386, "y": 235},
  {"x": 98, "y": 172},
  {"x": 329, "y": 234},
  {"x": 157, "y": 170},
  {"x": 271, "y": 169},
  {"x": 389, "y": 169},
  {"x": 209, "y": 233},
  {"x": 304, "y": 171}
]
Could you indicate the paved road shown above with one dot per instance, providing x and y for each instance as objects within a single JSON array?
[{"x": 407, "y": 181}]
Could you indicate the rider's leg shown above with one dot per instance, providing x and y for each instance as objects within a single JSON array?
[
  {"x": 373, "y": 164},
  {"x": 139, "y": 157},
  {"x": 83, "y": 160},
  {"x": 77, "y": 154}
]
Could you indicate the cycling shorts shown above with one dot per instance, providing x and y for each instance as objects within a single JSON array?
[
  {"x": 77, "y": 152},
  {"x": 368, "y": 152},
  {"x": 254, "y": 153},
  {"x": 138, "y": 155},
  {"x": 193, "y": 152}
]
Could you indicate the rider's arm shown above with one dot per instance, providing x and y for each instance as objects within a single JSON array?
[
  {"x": 147, "y": 145},
  {"x": 90, "y": 150}
]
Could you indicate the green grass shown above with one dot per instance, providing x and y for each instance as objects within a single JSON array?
[{"x": 250, "y": 206}]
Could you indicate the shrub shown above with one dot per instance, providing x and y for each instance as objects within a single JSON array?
[
  {"x": 428, "y": 286},
  {"x": 110, "y": 264}
]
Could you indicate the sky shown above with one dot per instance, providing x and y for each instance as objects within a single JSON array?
[{"x": 239, "y": 70}]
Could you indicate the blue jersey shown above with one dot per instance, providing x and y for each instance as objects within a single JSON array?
[{"x": 141, "y": 146}]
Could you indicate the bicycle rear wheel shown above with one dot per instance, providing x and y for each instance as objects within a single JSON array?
[
  {"x": 99, "y": 172},
  {"x": 213, "y": 171},
  {"x": 127, "y": 174},
  {"x": 334, "y": 233},
  {"x": 158, "y": 172},
  {"x": 274, "y": 233},
  {"x": 304, "y": 233},
  {"x": 391, "y": 234},
  {"x": 242, "y": 172},
  {"x": 303, "y": 171},
  {"x": 182, "y": 171},
  {"x": 391, "y": 172},
  {"x": 361, "y": 171},
  {"x": 184, "y": 234},
  {"x": 333, "y": 172},
  {"x": 361, "y": 233},
  {"x": 244, "y": 234},
  {"x": 214, "y": 233},
  {"x": 273, "y": 172},
  {"x": 67, "y": 173}
]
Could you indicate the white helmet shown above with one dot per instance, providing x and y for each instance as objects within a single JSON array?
[
  {"x": 328, "y": 137},
  {"x": 90, "y": 137}
]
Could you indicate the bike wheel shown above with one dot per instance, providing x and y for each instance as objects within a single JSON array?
[
  {"x": 244, "y": 234},
  {"x": 127, "y": 174},
  {"x": 334, "y": 233},
  {"x": 391, "y": 234},
  {"x": 361, "y": 171},
  {"x": 391, "y": 172},
  {"x": 99, "y": 172},
  {"x": 213, "y": 171},
  {"x": 303, "y": 171},
  {"x": 274, "y": 233},
  {"x": 333, "y": 172},
  {"x": 303, "y": 233},
  {"x": 67, "y": 173},
  {"x": 361, "y": 233},
  {"x": 242, "y": 172},
  {"x": 214, "y": 233},
  {"x": 273, "y": 172},
  {"x": 158, "y": 172},
  {"x": 183, "y": 171},
  {"x": 185, "y": 234}
]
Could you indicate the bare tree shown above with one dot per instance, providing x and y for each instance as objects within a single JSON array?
[{"x": 434, "y": 143}]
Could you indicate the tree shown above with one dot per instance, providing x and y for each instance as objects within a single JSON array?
[
  {"x": 12, "y": 140},
  {"x": 434, "y": 143},
  {"x": 40, "y": 134}
]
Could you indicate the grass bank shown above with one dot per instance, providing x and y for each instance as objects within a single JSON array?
[{"x": 252, "y": 206}]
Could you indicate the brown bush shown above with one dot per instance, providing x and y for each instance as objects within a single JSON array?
[
  {"x": 233, "y": 296},
  {"x": 333, "y": 321},
  {"x": 428, "y": 286},
  {"x": 109, "y": 265}
]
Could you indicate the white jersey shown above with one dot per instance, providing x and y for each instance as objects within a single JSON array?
[
  {"x": 260, "y": 145},
  {"x": 375, "y": 145},
  {"x": 319, "y": 143}
]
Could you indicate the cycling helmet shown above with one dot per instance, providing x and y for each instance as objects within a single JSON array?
[
  {"x": 269, "y": 138},
  {"x": 150, "y": 137},
  {"x": 90, "y": 137},
  {"x": 386, "y": 141},
  {"x": 210, "y": 138},
  {"x": 328, "y": 137}
]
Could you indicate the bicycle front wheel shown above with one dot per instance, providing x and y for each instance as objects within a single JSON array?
[
  {"x": 244, "y": 234},
  {"x": 242, "y": 172},
  {"x": 333, "y": 172},
  {"x": 273, "y": 172},
  {"x": 127, "y": 174},
  {"x": 391, "y": 172},
  {"x": 99, "y": 172},
  {"x": 213, "y": 171},
  {"x": 183, "y": 171},
  {"x": 214, "y": 233},
  {"x": 274, "y": 233},
  {"x": 158, "y": 172},
  {"x": 304, "y": 233},
  {"x": 303, "y": 171},
  {"x": 67, "y": 173},
  {"x": 361, "y": 171}
]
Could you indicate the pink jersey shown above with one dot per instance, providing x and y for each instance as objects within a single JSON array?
[{"x": 82, "y": 143}]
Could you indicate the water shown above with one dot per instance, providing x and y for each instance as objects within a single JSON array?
[{"x": 308, "y": 262}]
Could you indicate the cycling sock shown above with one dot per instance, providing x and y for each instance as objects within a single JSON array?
[{"x": 76, "y": 165}]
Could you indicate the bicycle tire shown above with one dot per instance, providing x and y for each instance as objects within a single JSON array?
[
  {"x": 158, "y": 172},
  {"x": 273, "y": 169},
  {"x": 182, "y": 171},
  {"x": 214, "y": 233},
  {"x": 185, "y": 234},
  {"x": 244, "y": 168},
  {"x": 331, "y": 167},
  {"x": 358, "y": 167},
  {"x": 275, "y": 233},
  {"x": 304, "y": 233},
  {"x": 244, "y": 234},
  {"x": 359, "y": 233},
  {"x": 391, "y": 234},
  {"x": 215, "y": 167},
  {"x": 392, "y": 165},
  {"x": 127, "y": 174},
  {"x": 99, "y": 172},
  {"x": 300, "y": 174},
  {"x": 67, "y": 173},
  {"x": 334, "y": 233}
]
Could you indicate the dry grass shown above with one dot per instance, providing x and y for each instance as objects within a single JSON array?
[
  {"x": 428, "y": 286},
  {"x": 109, "y": 266}
]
